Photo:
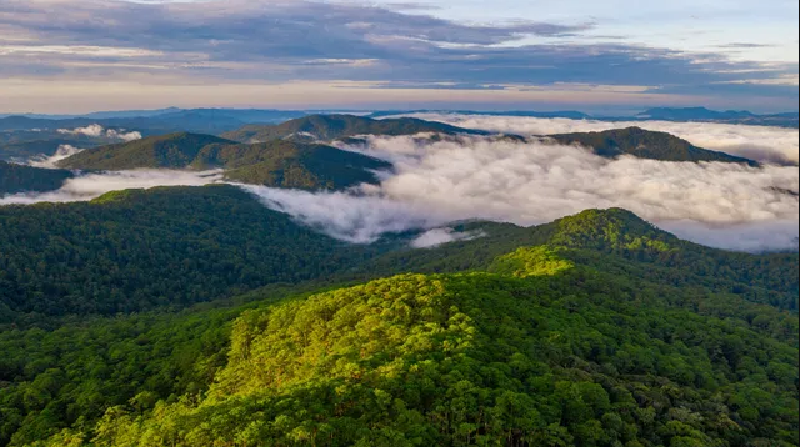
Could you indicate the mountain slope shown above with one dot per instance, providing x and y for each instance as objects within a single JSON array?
[
  {"x": 556, "y": 355},
  {"x": 274, "y": 163},
  {"x": 175, "y": 150},
  {"x": 132, "y": 250},
  {"x": 331, "y": 127},
  {"x": 569, "y": 334},
  {"x": 647, "y": 144},
  {"x": 16, "y": 178}
]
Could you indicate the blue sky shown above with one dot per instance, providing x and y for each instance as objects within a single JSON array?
[{"x": 72, "y": 56}]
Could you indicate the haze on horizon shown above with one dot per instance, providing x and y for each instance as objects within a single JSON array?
[{"x": 76, "y": 56}]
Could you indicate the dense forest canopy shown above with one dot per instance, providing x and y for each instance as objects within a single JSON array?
[
  {"x": 15, "y": 178},
  {"x": 647, "y": 144},
  {"x": 558, "y": 343}
]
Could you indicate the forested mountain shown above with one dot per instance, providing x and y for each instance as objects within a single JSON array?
[
  {"x": 556, "y": 339},
  {"x": 330, "y": 127},
  {"x": 132, "y": 250},
  {"x": 273, "y": 163},
  {"x": 648, "y": 144},
  {"x": 16, "y": 178},
  {"x": 175, "y": 150}
]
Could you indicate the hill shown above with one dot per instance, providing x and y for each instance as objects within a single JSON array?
[
  {"x": 16, "y": 178},
  {"x": 542, "y": 345},
  {"x": 175, "y": 150},
  {"x": 647, "y": 144},
  {"x": 132, "y": 250},
  {"x": 275, "y": 163},
  {"x": 786, "y": 119},
  {"x": 330, "y": 127}
]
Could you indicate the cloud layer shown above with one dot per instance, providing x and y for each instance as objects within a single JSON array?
[
  {"x": 762, "y": 143},
  {"x": 87, "y": 187}
]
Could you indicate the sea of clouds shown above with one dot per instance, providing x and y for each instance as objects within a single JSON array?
[
  {"x": 762, "y": 143},
  {"x": 434, "y": 183}
]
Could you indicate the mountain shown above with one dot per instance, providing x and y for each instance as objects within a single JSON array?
[
  {"x": 331, "y": 127},
  {"x": 137, "y": 249},
  {"x": 176, "y": 150},
  {"x": 786, "y": 119},
  {"x": 560, "y": 341},
  {"x": 16, "y": 178},
  {"x": 274, "y": 163},
  {"x": 647, "y": 144}
]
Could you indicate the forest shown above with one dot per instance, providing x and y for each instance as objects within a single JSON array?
[
  {"x": 15, "y": 178},
  {"x": 594, "y": 330}
]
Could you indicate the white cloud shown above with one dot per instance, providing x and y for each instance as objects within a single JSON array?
[
  {"x": 96, "y": 130},
  {"x": 438, "y": 236},
  {"x": 762, "y": 143},
  {"x": 87, "y": 187},
  {"x": 63, "y": 151},
  {"x": 529, "y": 183}
]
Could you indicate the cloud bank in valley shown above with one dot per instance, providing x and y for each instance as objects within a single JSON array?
[
  {"x": 761, "y": 143},
  {"x": 529, "y": 183},
  {"x": 96, "y": 130},
  {"x": 63, "y": 151},
  {"x": 87, "y": 187}
]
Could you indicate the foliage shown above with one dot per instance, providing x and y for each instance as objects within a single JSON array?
[
  {"x": 134, "y": 250},
  {"x": 16, "y": 178},
  {"x": 557, "y": 357},
  {"x": 648, "y": 144}
]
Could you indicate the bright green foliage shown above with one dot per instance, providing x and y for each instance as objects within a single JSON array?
[
  {"x": 647, "y": 144},
  {"x": 16, "y": 178},
  {"x": 530, "y": 261},
  {"x": 331, "y": 127},
  {"x": 572, "y": 358}
]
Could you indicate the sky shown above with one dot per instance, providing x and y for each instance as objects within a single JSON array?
[{"x": 76, "y": 56}]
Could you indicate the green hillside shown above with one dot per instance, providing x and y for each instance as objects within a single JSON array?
[
  {"x": 535, "y": 349},
  {"x": 16, "y": 178},
  {"x": 275, "y": 163},
  {"x": 594, "y": 330},
  {"x": 174, "y": 150},
  {"x": 647, "y": 144},
  {"x": 330, "y": 127},
  {"x": 132, "y": 250}
]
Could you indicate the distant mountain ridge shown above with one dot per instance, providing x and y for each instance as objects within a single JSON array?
[
  {"x": 278, "y": 163},
  {"x": 330, "y": 127},
  {"x": 648, "y": 144}
]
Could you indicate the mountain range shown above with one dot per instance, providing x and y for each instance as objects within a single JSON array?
[{"x": 595, "y": 329}]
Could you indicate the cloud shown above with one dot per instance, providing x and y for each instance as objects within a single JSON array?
[
  {"x": 96, "y": 130},
  {"x": 439, "y": 236},
  {"x": 762, "y": 143},
  {"x": 87, "y": 187},
  {"x": 240, "y": 41},
  {"x": 63, "y": 151},
  {"x": 529, "y": 183}
]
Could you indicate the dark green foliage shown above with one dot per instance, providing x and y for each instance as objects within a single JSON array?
[
  {"x": 175, "y": 150},
  {"x": 646, "y": 144},
  {"x": 331, "y": 127},
  {"x": 133, "y": 250},
  {"x": 23, "y": 150},
  {"x": 16, "y": 178},
  {"x": 275, "y": 163},
  {"x": 291, "y": 165}
]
